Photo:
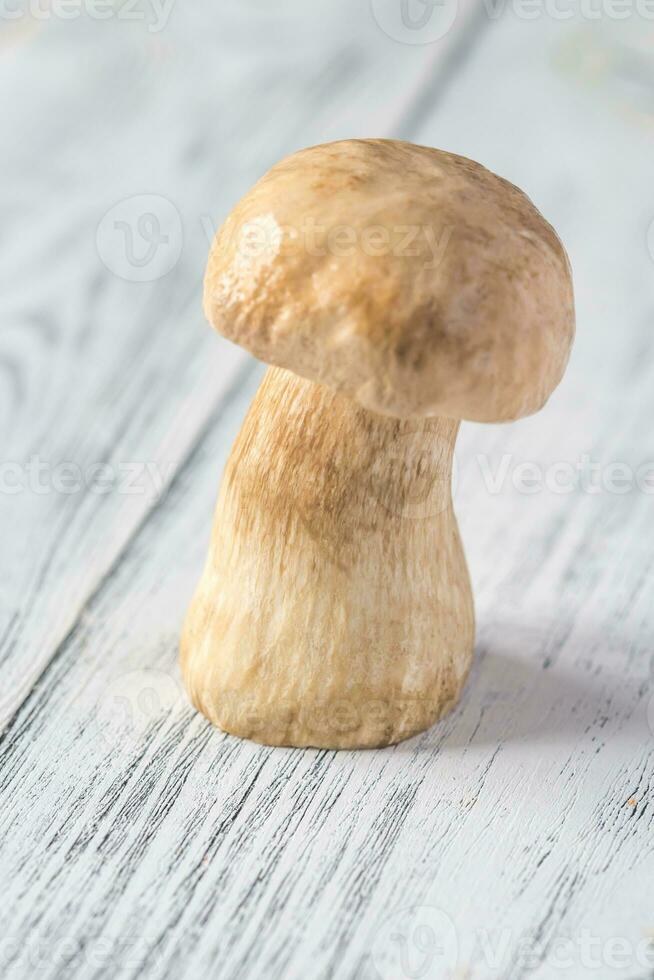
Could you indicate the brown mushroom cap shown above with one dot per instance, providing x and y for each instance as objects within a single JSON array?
[{"x": 413, "y": 280}]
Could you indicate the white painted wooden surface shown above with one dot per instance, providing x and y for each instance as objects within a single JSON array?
[{"x": 512, "y": 840}]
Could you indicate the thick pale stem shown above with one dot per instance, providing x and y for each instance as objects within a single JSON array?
[{"x": 335, "y": 607}]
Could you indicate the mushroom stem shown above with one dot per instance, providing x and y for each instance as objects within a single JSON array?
[{"x": 335, "y": 607}]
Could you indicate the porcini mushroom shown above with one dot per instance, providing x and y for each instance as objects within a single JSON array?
[{"x": 396, "y": 290}]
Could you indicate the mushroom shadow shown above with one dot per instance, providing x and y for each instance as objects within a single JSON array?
[{"x": 523, "y": 697}]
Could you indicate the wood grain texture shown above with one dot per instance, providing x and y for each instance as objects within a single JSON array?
[{"x": 135, "y": 840}]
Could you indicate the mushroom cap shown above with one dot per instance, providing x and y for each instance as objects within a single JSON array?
[{"x": 413, "y": 280}]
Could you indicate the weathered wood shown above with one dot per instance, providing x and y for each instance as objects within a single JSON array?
[{"x": 134, "y": 838}]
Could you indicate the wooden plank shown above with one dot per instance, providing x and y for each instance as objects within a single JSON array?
[
  {"x": 518, "y": 832},
  {"x": 105, "y": 372},
  {"x": 563, "y": 579}
]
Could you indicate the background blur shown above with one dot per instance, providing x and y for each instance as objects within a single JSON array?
[{"x": 129, "y": 131}]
